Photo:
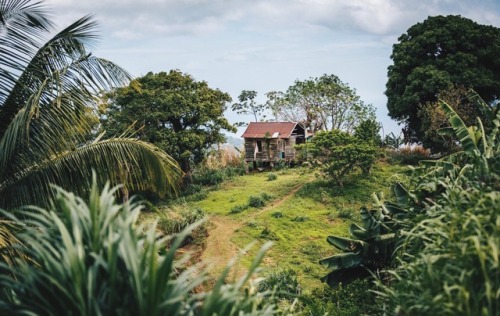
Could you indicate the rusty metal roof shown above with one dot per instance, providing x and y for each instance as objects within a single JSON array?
[{"x": 272, "y": 129}]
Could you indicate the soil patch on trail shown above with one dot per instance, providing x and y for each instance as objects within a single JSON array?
[{"x": 219, "y": 249}]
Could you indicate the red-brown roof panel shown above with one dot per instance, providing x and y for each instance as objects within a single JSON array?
[{"x": 272, "y": 129}]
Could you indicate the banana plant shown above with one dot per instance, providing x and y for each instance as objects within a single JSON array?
[
  {"x": 373, "y": 242},
  {"x": 477, "y": 145}
]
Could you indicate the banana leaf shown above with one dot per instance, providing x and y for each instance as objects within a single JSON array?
[{"x": 342, "y": 261}]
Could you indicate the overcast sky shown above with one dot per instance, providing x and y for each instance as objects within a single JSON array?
[{"x": 264, "y": 45}]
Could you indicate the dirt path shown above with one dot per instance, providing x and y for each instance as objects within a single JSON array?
[
  {"x": 219, "y": 249},
  {"x": 278, "y": 203}
]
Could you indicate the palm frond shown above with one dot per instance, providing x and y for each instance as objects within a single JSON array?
[
  {"x": 10, "y": 249},
  {"x": 72, "y": 170},
  {"x": 23, "y": 25},
  {"x": 43, "y": 131},
  {"x": 69, "y": 65}
]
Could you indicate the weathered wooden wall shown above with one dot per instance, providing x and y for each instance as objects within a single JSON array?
[{"x": 268, "y": 153}]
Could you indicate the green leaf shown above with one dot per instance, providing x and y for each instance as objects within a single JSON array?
[
  {"x": 345, "y": 244},
  {"x": 344, "y": 260}
]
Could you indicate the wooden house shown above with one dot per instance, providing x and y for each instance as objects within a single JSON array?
[{"x": 269, "y": 142}]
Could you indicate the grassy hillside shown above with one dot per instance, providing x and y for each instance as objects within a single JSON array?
[{"x": 300, "y": 210}]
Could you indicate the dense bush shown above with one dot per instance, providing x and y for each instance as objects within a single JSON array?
[
  {"x": 347, "y": 300},
  {"x": 283, "y": 282},
  {"x": 238, "y": 209},
  {"x": 408, "y": 155},
  {"x": 219, "y": 165},
  {"x": 440, "y": 239},
  {"x": 271, "y": 177},
  {"x": 175, "y": 218},
  {"x": 338, "y": 153},
  {"x": 451, "y": 265},
  {"x": 256, "y": 201},
  {"x": 450, "y": 262},
  {"x": 206, "y": 176}
]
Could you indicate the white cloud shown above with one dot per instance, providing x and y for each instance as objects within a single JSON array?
[
  {"x": 264, "y": 45},
  {"x": 150, "y": 18}
]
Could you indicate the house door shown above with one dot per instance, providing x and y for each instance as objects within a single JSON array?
[{"x": 281, "y": 148}]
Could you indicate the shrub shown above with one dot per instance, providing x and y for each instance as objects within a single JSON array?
[
  {"x": 277, "y": 214},
  {"x": 283, "y": 282},
  {"x": 271, "y": 176},
  {"x": 223, "y": 158},
  {"x": 352, "y": 299},
  {"x": 252, "y": 224},
  {"x": 345, "y": 213},
  {"x": 300, "y": 219},
  {"x": 175, "y": 218},
  {"x": 280, "y": 165},
  {"x": 338, "y": 153},
  {"x": 206, "y": 176},
  {"x": 453, "y": 250},
  {"x": 408, "y": 155},
  {"x": 265, "y": 196},
  {"x": 256, "y": 201},
  {"x": 268, "y": 234},
  {"x": 93, "y": 259},
  {"x": 435, "y": 248},
  {"x": 238, "y": 209}
]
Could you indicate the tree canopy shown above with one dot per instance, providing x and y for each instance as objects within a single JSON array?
[
  {"x": 172, "y": 110},
  {"x": 338, "y": 153},
  {"x": 434, "y": 55},
  {"x": 324, "y": 103},
  {"x": 48, "y": 84}
]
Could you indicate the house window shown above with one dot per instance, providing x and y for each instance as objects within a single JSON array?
[{"x": 259, "y": 146}]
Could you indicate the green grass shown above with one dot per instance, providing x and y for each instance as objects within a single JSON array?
[
  {"x": 306, "y": 218},
  {"x": 238, "y": 190}
]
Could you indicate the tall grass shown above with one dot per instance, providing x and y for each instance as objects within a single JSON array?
[
  {"x": 219, "y": 165},
  {"x": 449, "y": 260},
  {"x": 450, "y": 264},
  {"x": 174, "y": 218}
]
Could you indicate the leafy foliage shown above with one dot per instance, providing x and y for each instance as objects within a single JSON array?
[
  {"x": 469, "y": 107},
  {"x": 256, "y": 201},
  {"x": 450, "y": 263},
  {"x": 172, "y": 110},
  {"x": 370, "y": 248},
  {"x": 48, "y": 87},
  {"x": 393, "y": 141},
  {"x": 283, "y": 282},
  {"x": 338, "y": 154},
  {"x": 175, "y": 218},
  {"x": 324, "y": 103},
  {"x": 92, "y": 258},
  {"x": 272, "y": 176},
  {"x": 408, "y": 155},
  {"x": 434, "y": 55},
  {"x": 368, "y": 131},
  {"x": 443, "y": 233}
]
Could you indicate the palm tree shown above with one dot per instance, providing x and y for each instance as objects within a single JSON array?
[{"x": 48, "y": 89}]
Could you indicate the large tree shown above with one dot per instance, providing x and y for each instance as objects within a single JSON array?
[
  {"x": 172, "y": 110},
  {"x": 434, "y": 55},
  {"x": 47, "y": 87},
  {"x": 324, "y": 103}
]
